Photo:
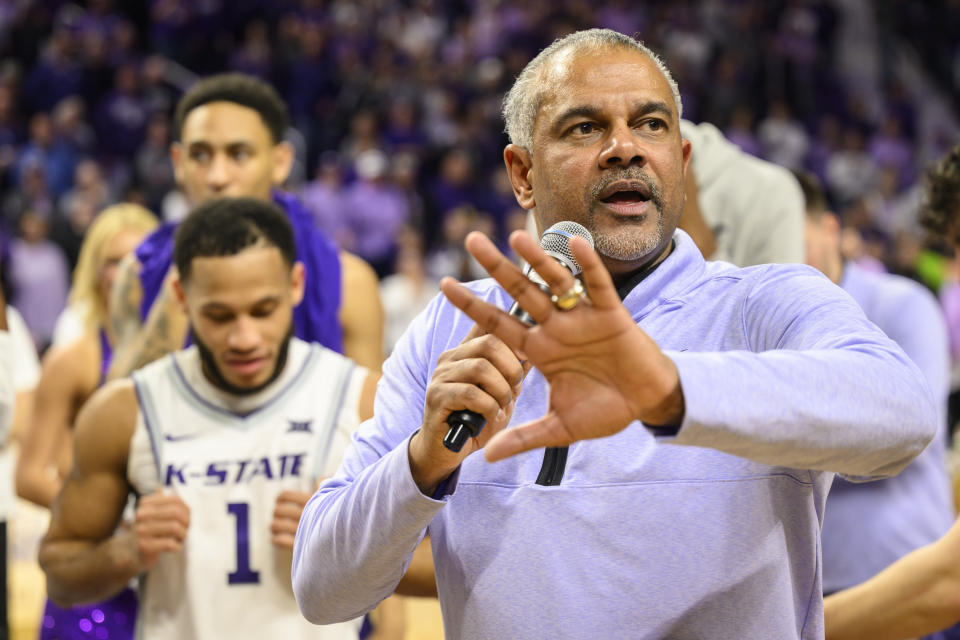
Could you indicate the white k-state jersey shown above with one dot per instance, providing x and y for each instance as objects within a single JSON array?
[{"x": 228, "y": 457}]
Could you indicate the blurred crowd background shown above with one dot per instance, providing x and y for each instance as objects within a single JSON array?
[
  {"x": 395, "y": 111},
  {"x": 395, "y": 108}
]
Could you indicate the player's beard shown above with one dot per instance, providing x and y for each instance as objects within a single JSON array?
[{"x": 215, "y": 376}]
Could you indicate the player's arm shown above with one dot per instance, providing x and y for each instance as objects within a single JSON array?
[
  {"x": 23, "y": 406},
  {"x": 361, "y": 313},
  {"x": 916, "y": 596},
  {"x": 137, "y": 344},
  {"x": 58, "y": 395},
  {"x": 85, "y": 556}
]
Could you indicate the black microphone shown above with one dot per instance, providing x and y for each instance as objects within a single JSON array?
[{"x": 555, "y": 242}]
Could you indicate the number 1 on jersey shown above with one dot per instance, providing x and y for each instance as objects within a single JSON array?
[{"x": 243, "y": 574}]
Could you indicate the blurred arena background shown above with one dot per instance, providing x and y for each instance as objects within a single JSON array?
[{"x": 395, "y": 106}]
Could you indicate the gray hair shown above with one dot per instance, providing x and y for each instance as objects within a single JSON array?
[{"x": 523, "y": 101}]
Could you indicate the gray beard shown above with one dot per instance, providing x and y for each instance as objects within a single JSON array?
[
  {"x": 629, "y": 246},
  {"x": 630, "y": 243}
]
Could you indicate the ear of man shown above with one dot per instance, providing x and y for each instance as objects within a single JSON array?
[
  {"x": 283, "y": 156},
  {"x": 518, "y": 162}
]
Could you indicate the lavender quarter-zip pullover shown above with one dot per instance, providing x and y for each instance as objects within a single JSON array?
[{"x": 712, "y": 531}]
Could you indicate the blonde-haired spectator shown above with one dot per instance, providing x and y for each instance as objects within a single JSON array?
[{"x": 71, "y": 371}]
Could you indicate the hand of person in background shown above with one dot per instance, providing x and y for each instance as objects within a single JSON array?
[
  {"x": 161, "y": 525},
  {"x": 286, "y": 517},
  {"x": 604, "y": 371}
]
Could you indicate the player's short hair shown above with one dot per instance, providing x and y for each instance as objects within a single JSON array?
[
  {"x": 239, "y": 88},
  {"x": 227, "y": 226}
]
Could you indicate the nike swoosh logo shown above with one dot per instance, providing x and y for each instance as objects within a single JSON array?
[{"x": 170, "y": 438}]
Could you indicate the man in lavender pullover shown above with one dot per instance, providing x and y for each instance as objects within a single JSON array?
[{"x": 694, "y": 413}]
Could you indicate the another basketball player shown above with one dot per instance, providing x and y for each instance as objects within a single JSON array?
[
  {"x": 230, "y": 129},
  {"x": 222, "y": 443}
]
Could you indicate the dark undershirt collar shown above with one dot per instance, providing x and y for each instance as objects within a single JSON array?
[{"x": 640, "y": 274}]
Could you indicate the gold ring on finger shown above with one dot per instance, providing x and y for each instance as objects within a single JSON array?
[{"x": 571, "y": 297}]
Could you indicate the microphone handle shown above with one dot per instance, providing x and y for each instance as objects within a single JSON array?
[{"x": 467, "y": 424}]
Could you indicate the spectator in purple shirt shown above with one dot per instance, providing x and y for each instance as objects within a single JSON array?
[
  {"x": 364, "y": 134},
  {"x": 324, "y": 197},
  {"x": 122, "y": 116},
  {"x": 88, "y": 184},
  {"x": 254, "y": 57},
  {"x": 375, "y": 211},
  {"x": 158, "y": 94},
  {"x": 71, "y": 128},
  {"x": 169, "y": 25},
  {"x": 98, "y": 17},
  {"x": 98, "y": 70},
  {"x": 56, "y": 157},
  {"x": 740, "y": 131},
  {"x": 890, "y": 148},
  {"x": 32, "y": 194},
  {"x": 453, "y": 187},
  {"x": 40, "y": 277},
  {"x": 402, "y": 131},
  {"x": 56, "y": 76},
  {"x": 152, "y": 169}
]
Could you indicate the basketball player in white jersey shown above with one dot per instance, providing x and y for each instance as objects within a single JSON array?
[{"x": 222, "y": 443}]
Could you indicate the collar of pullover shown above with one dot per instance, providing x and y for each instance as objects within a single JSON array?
[{"x": 674, "y": 274}]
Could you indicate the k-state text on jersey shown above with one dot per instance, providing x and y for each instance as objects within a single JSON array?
[{"x": 235, "y": 471}]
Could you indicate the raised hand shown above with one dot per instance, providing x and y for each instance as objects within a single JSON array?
[
  {"x": 161, "y": 526},
  {"x": 604, "y": 371}
]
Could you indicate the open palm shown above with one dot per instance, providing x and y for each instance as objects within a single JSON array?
[{"x": 604, "y": 371}]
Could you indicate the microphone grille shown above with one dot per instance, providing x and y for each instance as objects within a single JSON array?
[{"x": 555, "y": 241}]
